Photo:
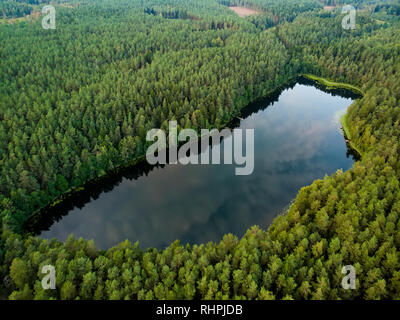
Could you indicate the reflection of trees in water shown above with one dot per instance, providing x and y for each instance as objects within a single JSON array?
[{"x": 43, "y": 220}]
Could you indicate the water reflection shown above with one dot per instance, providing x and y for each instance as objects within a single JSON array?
[{"x": 297, "y": 140}]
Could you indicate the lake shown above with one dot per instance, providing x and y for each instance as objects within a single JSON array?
[{"x": 297, "y": 140}]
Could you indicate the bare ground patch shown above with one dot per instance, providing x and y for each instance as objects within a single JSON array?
[{"x": 244, "y": 12}]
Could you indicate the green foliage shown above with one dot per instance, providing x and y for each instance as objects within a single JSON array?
[
  {"x": 13, "y": 9},
  {"x": 77, "y": 102}
]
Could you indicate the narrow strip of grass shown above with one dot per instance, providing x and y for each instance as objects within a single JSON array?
[
  {"x": 347, "y": 134},
  {"x": 340, "y": 85},
  {"x": 334, "y": 85}
]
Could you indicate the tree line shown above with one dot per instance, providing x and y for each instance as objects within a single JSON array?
[{"x": 79, "y": 102}]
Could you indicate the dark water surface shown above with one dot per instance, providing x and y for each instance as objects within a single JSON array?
[{"x": 297, "y": 140}]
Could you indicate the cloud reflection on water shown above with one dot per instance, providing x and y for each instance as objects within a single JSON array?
[{"x": 296, "y": 142}]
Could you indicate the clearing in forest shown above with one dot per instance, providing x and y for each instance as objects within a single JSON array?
[{"x": 243, "y": 12}]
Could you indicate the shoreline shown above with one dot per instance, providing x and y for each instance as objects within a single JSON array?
[
  {"x": 331, "y": 85},
  {"x": 334, "y": 85},
  {"x": 135, "y": 162},
  {"x": 75, "y": 191},
  {"x": 347, "y": 134}
]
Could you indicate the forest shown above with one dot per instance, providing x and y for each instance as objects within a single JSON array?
[{"x": 77, "y": 102}]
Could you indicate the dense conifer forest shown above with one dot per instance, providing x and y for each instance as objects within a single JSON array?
[{"x": 77, "y": 102}]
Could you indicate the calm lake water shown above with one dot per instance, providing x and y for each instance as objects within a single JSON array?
[{"x": 297, "y": 140}]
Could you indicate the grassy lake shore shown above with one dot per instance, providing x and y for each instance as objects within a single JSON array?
[{"x": 334, "y": 85}]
